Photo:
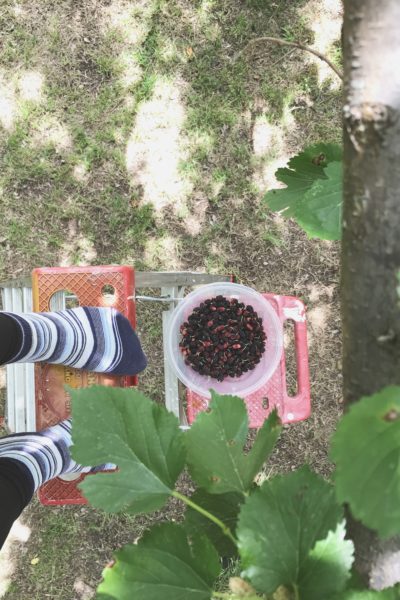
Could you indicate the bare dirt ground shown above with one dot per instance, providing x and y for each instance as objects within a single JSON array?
[{"x": 146, "y": 133}]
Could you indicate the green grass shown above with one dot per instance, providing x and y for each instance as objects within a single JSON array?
[
  {"x": 99, "y": 120},
  {"x": 241, "y": 27},
  {"x": 99, "y": 123},
  {"x": 231, "y": 569},
  {"x": 52, "y": 557},
  {"x": 54, "y": 550},
  {"x": 297, "y": 31},
  {"x": 20, "y": 46}
]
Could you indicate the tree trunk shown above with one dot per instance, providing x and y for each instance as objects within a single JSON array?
[{"x": 371, "y": 230}]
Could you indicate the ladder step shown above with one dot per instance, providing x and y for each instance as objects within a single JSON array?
[{"x": 20, "y": 398}]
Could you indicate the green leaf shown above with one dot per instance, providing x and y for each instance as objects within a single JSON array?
[
  {"x": 263, "y": 445},
  {"x": 321, "y": 153},
  {"x": 279, "y": 527},
  {"x": 320, "y": 210},
  {"x": 355, "y": 582},
  {"x": 215, "y": 446},
  {"x": 366, "y": 450},
  {"x": 302, "y": 171},
  {"x": 224, "y": 506},
  {"x": 162, "y": 566},
  {"x": 313, "y": 193},
  {"x": 389, "y": 594},
  {"x": 141, "y": 437},
  {"x": 327, "y": 568}
]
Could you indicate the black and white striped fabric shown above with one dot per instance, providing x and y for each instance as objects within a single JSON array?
[
  {"x": 44, "y": 454},
  {"x": 90, "y": 338}
]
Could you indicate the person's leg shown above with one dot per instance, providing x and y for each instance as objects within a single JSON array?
[
  {"x": 16, "y": 491},
  {"x": 44, "y": 453},
  {"x": 27, "y": 461},
  {"x": 10, "y": 338},
  {"x": 89, "y": 338},
  {"x": 16, "y": 483}
]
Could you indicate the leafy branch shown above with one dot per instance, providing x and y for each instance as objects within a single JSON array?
[{"x": 289, "y": 534}]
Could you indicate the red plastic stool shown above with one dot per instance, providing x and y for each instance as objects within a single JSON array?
[
  {"x": 274, "y": 393},
  {"x": 91, "y": 286}
]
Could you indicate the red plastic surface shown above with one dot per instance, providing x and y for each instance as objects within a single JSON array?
[
  {"x": 52, "y": 401},
  {"x": 274, "y": 393}
]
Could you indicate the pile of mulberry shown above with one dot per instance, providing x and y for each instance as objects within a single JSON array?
[{"x": 222, "y": 338}]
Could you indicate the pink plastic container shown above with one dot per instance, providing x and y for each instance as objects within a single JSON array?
[{"x": 248, "y": 382}]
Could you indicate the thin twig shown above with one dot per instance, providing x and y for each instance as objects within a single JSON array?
[
  {"x": 289, "y": 53},
  {"x": 296, "y": 45}
]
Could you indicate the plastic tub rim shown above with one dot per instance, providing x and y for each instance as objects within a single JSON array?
[{"x": 212, "y": 290}]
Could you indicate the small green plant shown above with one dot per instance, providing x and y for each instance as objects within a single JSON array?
[{"x": 288, "y": 535}]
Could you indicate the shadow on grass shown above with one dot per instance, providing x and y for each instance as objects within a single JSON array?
[
  {"x": 98, "y": 72},
  {"x": 228, "y": 94}
]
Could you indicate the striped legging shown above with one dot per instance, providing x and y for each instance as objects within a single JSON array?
[{"x": 16, "y": 488}]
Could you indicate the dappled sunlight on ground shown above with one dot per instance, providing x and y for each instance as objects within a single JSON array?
[
  {"x": 77, "y": 249},
  {"x": 197, "y": 15},
  {"x": 267, "y": 138},
  {"x": 319, "y": 314},
  {"x": 83, "y": 590},
  {"x": 131, "y": 70},
  {"x": 19, "y": 11},
  {"x": 50, "y": 131},
  {"x": 155, "y": 150},
  {"x": 204, "y": 10},
  {"x": 128, "y": 19},
  {"x": 215, "y": 258},
  {"x": 66, "y": 253},
  {"x": 168, "y": 51},
  {"x": 130, "y": 23},
  {"x": 318, "y": 326},
  {"x": 317, "y": 318},
  {"x": 19, "y": 534},
  {"x": 8, "y": 106},
  {"x": 316, "y": 291},
  {"x": 324, "y": 17},
  {"x": 86, "y": 252},
  {"x": 270, "y": 148},
  {"x": 80, "y": 172},
  {"x": 27, "y": 86},
  {"x": 194, "y": 221},
  {"x": 264, "y": 176},
  {"x": 163, "y": 253},
  {"x": 30, "y": 86}
]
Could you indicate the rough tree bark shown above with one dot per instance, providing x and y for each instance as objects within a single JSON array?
[{"x": 371, "y": 230}]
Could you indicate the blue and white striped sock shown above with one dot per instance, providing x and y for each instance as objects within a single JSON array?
[
  {"x": 45, "y": 454},
  {"x": 89, "y": 338}
]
